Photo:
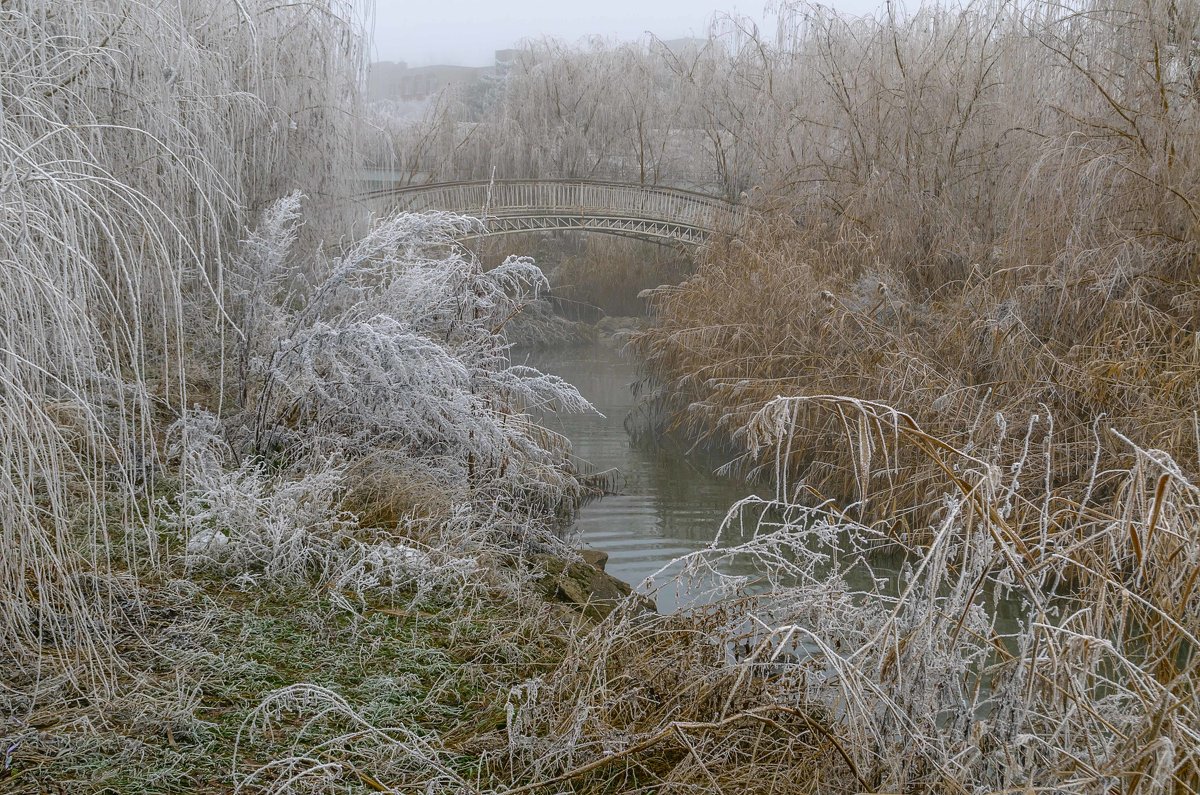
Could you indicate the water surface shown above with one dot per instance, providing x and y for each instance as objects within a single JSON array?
[{"x": 669, "y": 504}]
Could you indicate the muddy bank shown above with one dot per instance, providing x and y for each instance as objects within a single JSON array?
[{"x": 584, "y": 586}]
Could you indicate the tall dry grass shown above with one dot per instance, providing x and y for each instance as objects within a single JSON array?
[
  {"x": 964, "y": 328},
  {"x": 985, "y": 211}
]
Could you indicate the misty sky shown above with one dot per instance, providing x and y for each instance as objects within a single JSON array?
[{"x": 467, "y": 32}]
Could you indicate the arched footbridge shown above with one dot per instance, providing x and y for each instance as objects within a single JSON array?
[{"x": 510, "y": 206}]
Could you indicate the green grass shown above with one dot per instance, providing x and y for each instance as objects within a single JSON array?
[{"x": 413, "y": 666}]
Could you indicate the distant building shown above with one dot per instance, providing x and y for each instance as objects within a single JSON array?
[
  {"x": 383, "y": 79},
  {"x": 399, "y": 82},
  {"x": 505, "y": 60}
]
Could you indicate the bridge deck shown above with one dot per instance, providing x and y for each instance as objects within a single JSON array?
[{"x": 530, "y": 205}]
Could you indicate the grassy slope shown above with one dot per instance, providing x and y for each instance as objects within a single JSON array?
[{"x": 432, "y": 665}]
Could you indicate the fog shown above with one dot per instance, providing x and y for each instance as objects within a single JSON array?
[{"x": 468, "y": 32}]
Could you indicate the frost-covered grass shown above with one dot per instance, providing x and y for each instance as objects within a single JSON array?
[
  {"x": 197, "y": 720},
  {"x": 1032, "y": 639}
]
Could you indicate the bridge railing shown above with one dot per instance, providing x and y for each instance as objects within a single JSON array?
[{"x": 510, "y": 198}]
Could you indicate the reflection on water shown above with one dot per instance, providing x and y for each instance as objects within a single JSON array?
[{"x": 669, "y": 504}]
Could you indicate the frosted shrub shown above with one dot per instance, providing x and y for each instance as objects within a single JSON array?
[
  {"x": 390, "y": 356},
  {"x": 397, "y": 345},
  {"x": 278, "y": 530},
  {"x": 244, "y": 521}
]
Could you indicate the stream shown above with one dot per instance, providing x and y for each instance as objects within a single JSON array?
[{"x": 669, "y": 504}]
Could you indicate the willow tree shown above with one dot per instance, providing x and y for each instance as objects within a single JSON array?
[{"x": 135, "y": 138}]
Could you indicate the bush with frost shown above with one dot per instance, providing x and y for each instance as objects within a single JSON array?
[
  {"x": 275, "y": 529},
  {"x": 390, "y": 355},
  {"x": 399, "y": 345}
]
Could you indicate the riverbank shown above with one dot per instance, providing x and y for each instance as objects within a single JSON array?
[{"x": 462, "y": 669}]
